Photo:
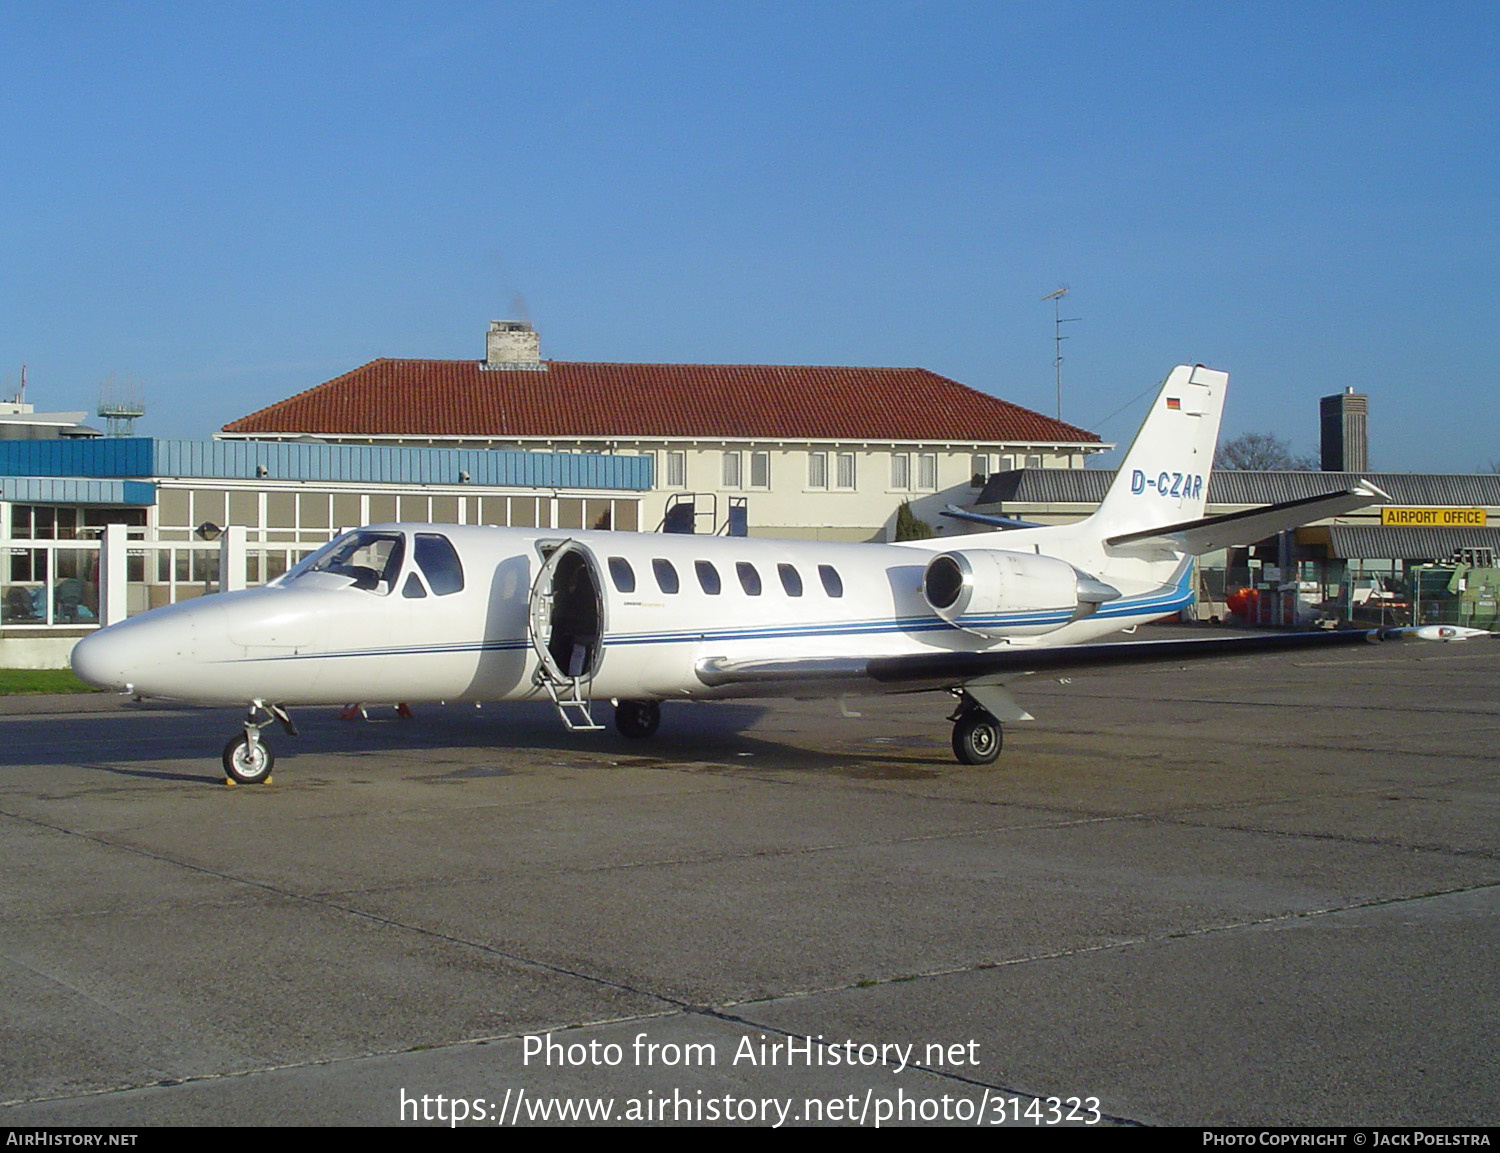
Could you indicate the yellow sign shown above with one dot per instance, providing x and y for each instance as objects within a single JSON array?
[{"x": 1438, "y": 517}]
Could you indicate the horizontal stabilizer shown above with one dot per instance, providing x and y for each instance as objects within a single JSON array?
[
  {"x": 1196, "y": 537},
  {"x": 984, "y": 518}
]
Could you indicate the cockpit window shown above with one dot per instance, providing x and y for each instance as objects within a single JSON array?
[
  {"x": 439, "y": 562},
  {"x": 370, "y": 559}
]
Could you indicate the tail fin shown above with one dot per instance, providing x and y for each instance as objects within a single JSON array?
[{"x": 1164, "y": 478}]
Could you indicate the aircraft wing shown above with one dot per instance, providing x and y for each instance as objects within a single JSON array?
[
  {"x": 1197, "y": 537},
  {"x": 952, "y": 669}
]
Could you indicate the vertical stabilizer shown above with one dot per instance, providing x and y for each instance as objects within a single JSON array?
[{"x": 1164, "y": 478}]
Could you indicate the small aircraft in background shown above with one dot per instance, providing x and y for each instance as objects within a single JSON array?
[{"x": 422, "y": 612}]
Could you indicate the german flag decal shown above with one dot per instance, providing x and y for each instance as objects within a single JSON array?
[{"x": 1174, "y": 403}]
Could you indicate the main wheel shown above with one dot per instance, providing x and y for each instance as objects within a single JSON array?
[
  {"x": 246, "y": 766},
  {"x": 637, "y": 718},
  {"x": 977, "y": 738}
]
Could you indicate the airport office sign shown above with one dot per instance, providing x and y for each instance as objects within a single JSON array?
[{"x": 1438, "y": 517}]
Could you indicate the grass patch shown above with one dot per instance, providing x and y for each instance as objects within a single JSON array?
[{"x": 14, "y": 681}]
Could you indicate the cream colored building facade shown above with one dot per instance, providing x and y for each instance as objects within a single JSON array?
[{"x": 823, "y": 453}]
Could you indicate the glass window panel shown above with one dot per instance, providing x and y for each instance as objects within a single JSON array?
[
  {"x": 708, "y": 577},
  {"x": 312, "y": 509},
  {"x": 346, "y": 510},
  {"x": 749, "y": 578},
  {"x": 666, "y": 575},
  {"x": 622, "y": 574},
  {"x": 439, "y": 562}
]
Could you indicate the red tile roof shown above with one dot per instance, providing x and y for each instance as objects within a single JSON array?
[{"x": 461, "y": 398}]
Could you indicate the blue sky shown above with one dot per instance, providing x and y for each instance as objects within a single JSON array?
[{"x": 231, "y": 203}]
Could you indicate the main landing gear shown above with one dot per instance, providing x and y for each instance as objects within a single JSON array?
[
  {"x": 637, "y": 718},
  {"x": 977, "y": 735},
  {"x": 248, "y": 760}
]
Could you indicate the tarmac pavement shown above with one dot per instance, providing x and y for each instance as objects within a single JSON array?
[{"x": 1247, "y": 892}]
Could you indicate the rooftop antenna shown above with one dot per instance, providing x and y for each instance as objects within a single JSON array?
[
  {"x": 1058, "y": 320},
  {"x": 121, "y": 406},
  {"x": 21, "y": 395}
]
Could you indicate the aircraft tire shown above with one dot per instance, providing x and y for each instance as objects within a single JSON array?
[
  {"x": 637, "y": 719},
  {"x": 245, "y": 769},
  {"x": 977, "y": 738}
]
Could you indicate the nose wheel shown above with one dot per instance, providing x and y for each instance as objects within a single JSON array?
[
  {"x": 248, "y": 763},
  {"x": 977, "y": 735},
  {"x": 248, "y": 759}
]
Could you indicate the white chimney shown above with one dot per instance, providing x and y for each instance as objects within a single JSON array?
[{"x": 513, "y": 345}]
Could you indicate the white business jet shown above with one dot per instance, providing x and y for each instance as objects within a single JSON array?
[{"x": 419, "y": 612}]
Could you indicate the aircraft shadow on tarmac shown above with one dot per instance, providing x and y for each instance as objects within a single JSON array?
[{"x": 151, "y": 740}]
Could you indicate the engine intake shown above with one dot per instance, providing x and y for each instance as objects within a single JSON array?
[{"x": 998, "y": 593}]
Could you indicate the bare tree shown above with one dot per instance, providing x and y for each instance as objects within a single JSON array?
[{"x": 1261, "y": 452}]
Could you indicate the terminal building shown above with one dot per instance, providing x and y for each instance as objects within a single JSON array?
[
  {"x": 821, "y": 453},
  {"x": 198, "y": 516}
]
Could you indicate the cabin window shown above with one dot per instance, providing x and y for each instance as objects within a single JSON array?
[
  {"x": 412, "y": 590},
  {"x": 439, "y": 562},
  {"x": 749, "y": 578},
  {"x": 622, "y": 574},
  {"x": 833, "y": 585},
  {"x": 708, "y": 577},
  {"x": 666, "y": 575},
  {"x": 791, "y": 580}
]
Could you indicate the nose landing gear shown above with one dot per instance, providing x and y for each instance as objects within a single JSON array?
[{"x": 248, "y": 760}]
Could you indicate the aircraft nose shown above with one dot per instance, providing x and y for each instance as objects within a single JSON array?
[{"x": 101, "y": 659}]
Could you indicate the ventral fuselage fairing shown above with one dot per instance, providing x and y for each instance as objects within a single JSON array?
[{"x": 407, "y": 612}]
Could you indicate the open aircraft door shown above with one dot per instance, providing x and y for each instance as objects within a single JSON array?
[{"x": 565, "y": 623}]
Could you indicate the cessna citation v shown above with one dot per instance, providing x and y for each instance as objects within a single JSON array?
[{"x": 420, "y": 612}]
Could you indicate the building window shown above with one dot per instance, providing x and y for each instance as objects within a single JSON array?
[
  {"x": 927, "y": 472},
  {"x": 1033, "y": 462},
  {"x": 760, "y": 470},
  {"x": 731, "y": 470},
  {"x": 817, "y": 470},
  {"x": 979, "y": 470},
  {"x": 900, "y": 471},
  {"x": 676, "y": 469},
  {"x": 845, "y": 463}
]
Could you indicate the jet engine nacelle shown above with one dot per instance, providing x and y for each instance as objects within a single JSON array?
[{"x": 997, "y": 593}]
